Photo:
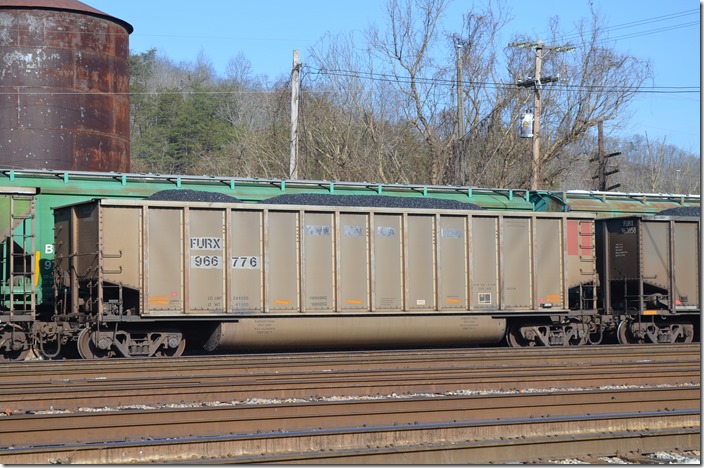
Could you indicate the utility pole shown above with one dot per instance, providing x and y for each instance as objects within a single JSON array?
[
  {"x": 603, "y": 173},
  {"x": 295, "y": 88},
  {"x": 537, "y": 83},
  {"x": 462, "y": 157}
]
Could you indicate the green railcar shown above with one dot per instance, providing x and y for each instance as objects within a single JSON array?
[
  {"x": 611, "y": 204},
  {"x": 51, "y": 189}
]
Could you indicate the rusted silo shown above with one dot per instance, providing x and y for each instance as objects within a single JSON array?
[{"x": 64, "y": 87}]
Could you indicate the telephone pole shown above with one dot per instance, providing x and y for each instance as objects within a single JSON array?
[
  {"x": 537, "y": 83},
  {"x": 295, "y": 87},
  {"x": 603, "y": 173},
  {"x": 462, "y": 157}
]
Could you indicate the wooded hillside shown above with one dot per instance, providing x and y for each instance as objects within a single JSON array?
[{"x": 387, "y": 112}]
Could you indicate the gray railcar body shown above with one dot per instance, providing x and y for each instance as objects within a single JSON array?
[{"x": 274, "y": 276}]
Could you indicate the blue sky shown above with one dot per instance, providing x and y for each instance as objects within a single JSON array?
[{"x": 267, "y": 32}]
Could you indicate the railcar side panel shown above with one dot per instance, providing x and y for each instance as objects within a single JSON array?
[
  {"x": 484, "y": 268},
  {"x": 452, "y": 262},
  {"x": 281, "y": 261},
  {"x": 655, "y": 254},
  {"x": 387, "y": 264},
  {"x": 421, "y": 265},
  {"x": 207, "y": 262},
  {"x": 687, "y": 259},
  {"x": 548, "y": 264},
  {"x": 85, "y": 241},
  {"x": 353, "y": 262},
  {"x": 120, "y": 241},
  {"x": 517, "y": 278},
  {"x": 318, "y": 280},
  {"x": 246, "y": 261},
  {"x": 122, "y": 258},
  {"x": 164, "y": 261}
]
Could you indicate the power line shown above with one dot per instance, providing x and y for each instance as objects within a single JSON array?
[
  {"x": 380, "y": 77},
  {"x": 632, "y": 24},
  {"x": 652, "y": 31},
  {"x": 654, "y": 19},
  {"x": 451, "y": 82}
]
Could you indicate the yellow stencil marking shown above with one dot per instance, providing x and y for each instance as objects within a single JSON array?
[{"x": 36, "y": 268}]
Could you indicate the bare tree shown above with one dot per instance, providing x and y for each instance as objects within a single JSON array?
[
  {"x": 493, "y": 106},
  {"x": 408, "y": 47},
  {"x": 384, "y": 109},
  {"x": 657, "y": 167},
  {"x": 415, "y": 59}
]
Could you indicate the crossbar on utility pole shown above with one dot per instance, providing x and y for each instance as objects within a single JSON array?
[
  {"x": 537, "y": 83},
  {"x": 603, "y": 173}
]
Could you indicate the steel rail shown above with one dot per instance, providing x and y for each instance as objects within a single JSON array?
[
  {"x": 113, "y": 426},
  {"x": 293, "y": 362},
  {"x": 101, "y": 391},
  {"x": 479, "y": 441}
]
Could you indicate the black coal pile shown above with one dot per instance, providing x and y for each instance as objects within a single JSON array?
[
  {"x": 192, "y": 195},
  {"x": 373, "y": 201},
  {"x": 681, "y": 211}
]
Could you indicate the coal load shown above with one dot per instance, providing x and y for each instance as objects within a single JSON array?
[
  {"x": 372, "y": 201},
  {"x": 188, "y": 195},
  {"x": 681, "y": 211}
]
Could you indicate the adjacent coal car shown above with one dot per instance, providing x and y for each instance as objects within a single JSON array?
[
  {"x": 649, "y": 268},
  {"x": 143, "y": 278}
]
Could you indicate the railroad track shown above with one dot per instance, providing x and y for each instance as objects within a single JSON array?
[
  {"x": 477, "y": 400},
  {"x": 279, "y": 432},
  {"x": 353, "y": 360},
  {"x": 40, "y": 386}
]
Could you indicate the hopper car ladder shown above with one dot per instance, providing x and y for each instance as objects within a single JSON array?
[{"x": 17, "y": 267}]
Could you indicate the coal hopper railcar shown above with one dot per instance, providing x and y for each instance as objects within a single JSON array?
[
  {"x": 146, "y": 278},
  {"x": 649, "y": 267}
]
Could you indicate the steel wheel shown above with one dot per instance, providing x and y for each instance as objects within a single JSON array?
[
  {"x": 164, "y": 351},
  {"x": 87, "y": 347},
  {"x": 515, "y": 338},
  {"x": 625, "y": 334},
  {"x": 19, "y": 337},
  {"x": 14, "y": 355}
]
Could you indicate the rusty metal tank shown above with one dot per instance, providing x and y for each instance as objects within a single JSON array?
[{"x": 64, "y": 87}]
